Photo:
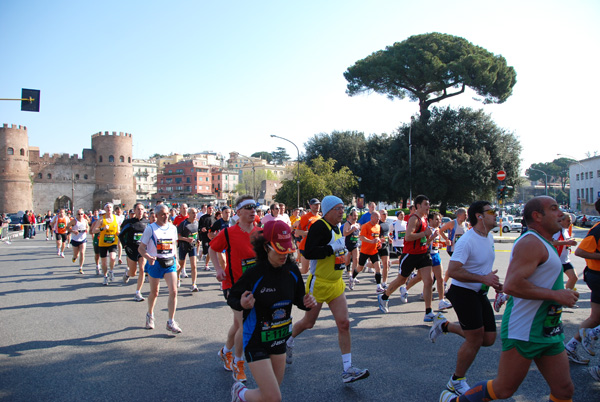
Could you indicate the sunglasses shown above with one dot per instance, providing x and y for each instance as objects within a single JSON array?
[
  {"x": 491, "y": 211},
  {"x": 248, "y": 207}
]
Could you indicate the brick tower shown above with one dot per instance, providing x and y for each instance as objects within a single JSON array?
[
  {"x": 114, "y": 170},
  {"x": 15, "y": 182}
]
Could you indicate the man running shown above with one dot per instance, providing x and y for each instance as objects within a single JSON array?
[
  {"x": 416, "y": 256},
  {"x": 471, "y": 271},
  {"x": 130, "y": 237},
  {"x": 157, "y": 246},
  {"x": 107, "y": 228},
  {"x": 187, "y": 232},
  {"x": 78, "y": 227},
  {"x": 369, "y": 250},
  {"x": 204, "y": 224},
  {"x": 306, "y": 222},
  {"x": 325, "y": 247},
  {"x": 240, "y": 257},
  {"x": 59, "y": 224},
  {"x": 531, "y": 325},
  {"x": 455, "y": 228}
]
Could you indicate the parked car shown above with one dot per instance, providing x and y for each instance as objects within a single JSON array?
[
  {"x": 591, "y": 221},
  {"x": 508, "y": 224}
]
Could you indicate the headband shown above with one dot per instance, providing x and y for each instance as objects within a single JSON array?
[{"x": 244, "y": 203}]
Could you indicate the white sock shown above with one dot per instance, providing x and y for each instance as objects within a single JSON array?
[
  {"x": 237, "y": 359},
  {"x": 290, "y": 341},
  {"x": 225, "y": 350},
  {"x": 347, "y": 361},
  {"x": 242, "y": 394}
]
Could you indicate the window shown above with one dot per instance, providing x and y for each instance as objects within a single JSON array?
[
  {"x": 22, "y": 152},
  {"x": 587, "y": 194},
  {"x": 100, "y": 159},
  {"x": 77, "y": 176},
  {"x": 40, "y": 176},
  {"x": 10, "y": 151},
  {"x": 129, "y": 159},
  {"x": 85, "y": 177},
  {"x": 578, "y": 197},
  {"x": 586, "y": 175},
  {"x": 187, "y": 180},
  {"x": 577, "y": 176},
  {"x": 591, "y": 175},
  {"x": 111, "y": 159},
  {"x": 192, "y": 170},
  {"x": 49, "y": 175},
  {"x": 178, "y": 180},
  {"x": 179, "y": 171},
  {"x": 170, "y": 171},
  {"x": 121, "y": 159},
  {"x": 207, "y": 180}
]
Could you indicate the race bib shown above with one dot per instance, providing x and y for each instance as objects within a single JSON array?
[
  {"x": 164, "y": 246},
  {"x": 109, "y": 238},
  {"x": 62, "y": 225},
  {"x": 137, "y": 237},
  {"x": 248, "y": 263},
  {"x": 552, "y": 324}
]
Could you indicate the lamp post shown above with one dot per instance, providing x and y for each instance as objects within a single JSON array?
[
  {"x": 410, "y": 161},
  {"x": 580, "y": 174},
  {"x": 253, "y": 175},
  {"x": 298, "y": 178},
  {"x": 545, "y": 178}
]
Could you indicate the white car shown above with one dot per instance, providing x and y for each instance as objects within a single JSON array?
[{"x": 508, "y": 224}]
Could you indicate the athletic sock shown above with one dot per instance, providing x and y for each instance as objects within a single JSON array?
[
  {"x": 428, "y": 310},
  {"x": 385, "y": 297},
  {"x": 445, "y": 327},
  {"x": 237, "y": 359},
  {"x": 378, "y": 279},
  {"x": 347, "y": 361},
  {"x": 242, "y": 394},
  {"x": 225, "y": 350},
  {"x": 290, "y": 341},
  {"x": 354, "y": 274},
  {"x": 482, "y": 391},
  {"x": 552, "y": 398}
]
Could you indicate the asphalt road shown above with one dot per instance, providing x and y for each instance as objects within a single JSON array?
[{"x": 65, "y": 337}]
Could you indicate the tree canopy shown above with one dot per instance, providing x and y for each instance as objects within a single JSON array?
[
  {"x": 280, "y": 155},
  {"x": 431, "y": 67},
  {"x": 318, "y": 178},
  {"x": 557, "y": 170},
  {"x": 263, "y": 155}
]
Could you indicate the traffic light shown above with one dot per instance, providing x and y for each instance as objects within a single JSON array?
[
  {"x": 500, "y": 192},
  {"x": 506, "y": 190}
]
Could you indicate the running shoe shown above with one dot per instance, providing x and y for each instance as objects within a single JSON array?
[
  {"x": 68, "y": 245},
  {"x": 227, "y": 359},
  {"x": 595, "y": 372},
  {"x": 356, "y": 281},
  {"x": 125, "y": 278},
  {"x": 499, "y": 301},
  {"x": 421, "y": 297},
  {"x": 575, "y": 358},
  {"x": 458, "y": 386},
  {"x": 380, "y": 289},
  {"x": 138, "y": 297},
  {"x": 354, "y": 374},
  {"x": 58, "y": 252},
  {"x": 429, "y": 317},
  {"x": 194, "y": 288},
  {"x": 149, "y": 321},
  {"x": 178, "y": 283},
  {"x": 173, "y": 327},
  {"x": 447, "y": 396},
  {"x": 587, "y": 340},
  {"x": 403, "y": 294},
  {"x": 351, "y": 282},
  {"x": 384, "y": 285},
  {"x": 73, "y": 259},
  {"x": 289, "y": 353},
  {"x": 47, "y": 239},
  {"x": 81, "y": 271},
  {"x": 111, "y": 275},
  {"x": 444, "y": 304},
  {"x": 206, "y": 268},
  {"x": 97, "y": 270},
  {"x": 238, "y": 371},
  {"x": 183, "y": 275},
  {"x": 383, "y": 304},
  {"x": 235, "y": 391},
  {"x": 105, "y": 282},
  {"x": 62, "y": 255},
  {"x": 436, "y": 328}
]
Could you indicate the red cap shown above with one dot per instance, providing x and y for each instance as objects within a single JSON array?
[{"x": 279, "y": 235}]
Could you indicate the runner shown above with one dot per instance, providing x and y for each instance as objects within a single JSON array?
[
  {"x": 265, "y": 294},
  {"x": 204, "y": 224},
  {"x": 323, "y": 243},
  {"x": 157, "y": 246},
  {"x": 531, "y": 325},
  {"x": 306, "y": 222},
  {"x": 351, "y": 233},
  {"x": 369, "y": 250},
  {"x": 130, "y": 237},
  {"x": 108, "y": 230},
  {"x": 399, "y": 231},
  {"x": 563, "y": 242},
  {"x": 95, "y": 239},
  {"x": 435, "y": 244},
  {"x": 455, "y": 228},
  {"x": 78, "y": 227},
  {"x": 59, "y": 224},
  {"x": 416, "y": 256},
  {"x": 471, "y": 269},
  {"x": 240, "y": 257},
  {"x": 183, "y": 214},
  {"x": 48, "y": 225},
  {"x": 187, "y": 237}
]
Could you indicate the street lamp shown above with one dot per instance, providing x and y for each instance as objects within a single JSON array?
[
  {"x": 410, "y": 161},
  {"x": 580, "y": 175},
  {"x": 545, "y": 178},
  {"x": 298, "y": 178},
  {"x": 253, "y": 174}
]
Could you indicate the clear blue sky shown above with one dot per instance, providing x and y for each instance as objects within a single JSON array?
[{"x": 189, "y": 76}]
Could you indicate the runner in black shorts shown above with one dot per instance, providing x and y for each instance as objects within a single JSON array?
[
  {"x": 130, "y": 236},
  {"x": 265, "y": 294}
]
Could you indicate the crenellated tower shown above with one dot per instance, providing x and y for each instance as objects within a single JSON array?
[
  {"x": 15, "y": 181},
  {"x": 114, "y": 169}
]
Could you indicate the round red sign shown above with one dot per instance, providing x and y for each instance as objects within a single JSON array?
[{"x": 501, "y": 175}]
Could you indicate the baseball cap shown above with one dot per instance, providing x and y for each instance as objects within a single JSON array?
[
  {"x": 314, "y": 201},
  {"x": 225, "y": 207},
  {"x": 279, "y": 235}
]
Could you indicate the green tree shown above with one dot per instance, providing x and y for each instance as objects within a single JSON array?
[
  {"x": 318, "y": 178},
  {"x": 263, "y": 155},
  {"x": 250, "y": 182},
  {"x": 557, "y": 170},
  {"x": 432, "y": 67},
  {"x": 280, "y": 155},
  {"x": 455, "y": 158}
]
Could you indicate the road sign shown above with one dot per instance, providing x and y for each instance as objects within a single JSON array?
[{"x": 501, "y": 175}]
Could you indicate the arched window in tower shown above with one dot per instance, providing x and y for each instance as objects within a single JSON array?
[
  {"x": 10, "y": 151},
  {"x": 22, "y": 152},
  {"x": 122, "y": 159},
  {"x": 129, "y": 159},
  {"x": 40, "y": 176},
  {"x": 49, "y": 176},
  {"x": 100, "y": 159},
  {"x": 111, "y": 159},
  {"x": 77, "y": 176},
  {"x": 85, "y": 177}
]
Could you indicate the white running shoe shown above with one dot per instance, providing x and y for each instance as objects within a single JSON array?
[
  {"x": 458, "y": 386},
  {"x": 173, "y": 327},
  {"x": 383, "y": 304},
  {"x": 105, "y": 283},
  {"x": 97, "y": 270},
  {"x": 444, "y": 304},
  {"x": 289, "y": 353},
  {"x": 429, "y": 317},
  {"x": 587, "y": 340},
  {"x": 125, "y": 278},
  {"x": 238, "y": 387},
  {"x": 149, "y": 321},
  {"x": 351, "y": 283},
  {"x": 111, "y": 275},
  {"x": 194, "y": 288},
  {"x": 575, "y": 358},
  {"x": 447, "y": 396},
  {"x": 403, "y": 294},
  {"x": 183, "y": 275},
  {"x": 436, "y": 328},
  {"x": 380, "y": 289},
  {"x": 138, "y": 297},
  {"x": 354, "y": 374},
  {"x": 499, "y": 301}
]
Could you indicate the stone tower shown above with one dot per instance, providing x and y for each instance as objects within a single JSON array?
[
  {"x": 15, "y": 182},
  {"x": 114, "y": 170}
]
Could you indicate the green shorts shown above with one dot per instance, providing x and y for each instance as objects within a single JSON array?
[{"x": 533, "y": 350}]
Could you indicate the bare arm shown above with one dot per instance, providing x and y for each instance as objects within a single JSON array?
[
  {"x": 456, "y": 271},
  {"x": 218, "y": 268},
  {"x": 587, "y": 255},
  {"x": 144, "y": 253},
  {"x": 528, "y": 254}
]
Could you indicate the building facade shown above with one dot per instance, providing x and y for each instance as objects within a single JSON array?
[
  {"x": 145, "y": 172},
  {"x": 184, "y": 179},
  {"x": 584, "y": 176}
]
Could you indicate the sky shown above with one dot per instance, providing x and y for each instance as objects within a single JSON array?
[{"x": 193, "y": 76}]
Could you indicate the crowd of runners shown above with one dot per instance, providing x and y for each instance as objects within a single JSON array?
[{"x": 260, "y": 260}]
